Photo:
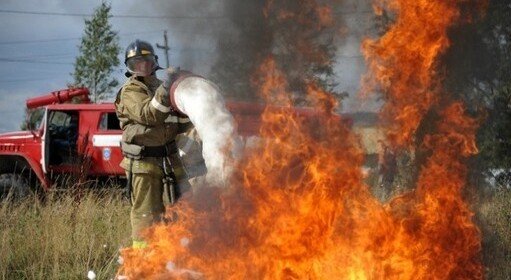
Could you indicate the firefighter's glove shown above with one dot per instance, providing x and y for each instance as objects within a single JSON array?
[
  {"x": 163, "y": 92},
  {"x": 169, "y": 77},
  {"x": 162, "y": 96}
]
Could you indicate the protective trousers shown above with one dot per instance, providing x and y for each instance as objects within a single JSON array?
[{"x": 147, "y": 200}]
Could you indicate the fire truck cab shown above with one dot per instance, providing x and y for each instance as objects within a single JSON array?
[
  {"x": 77, "y": 136},
  {"x": 80, "y": 139}
]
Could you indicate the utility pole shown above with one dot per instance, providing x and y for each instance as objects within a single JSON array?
[{"x": 165, "y": 47}]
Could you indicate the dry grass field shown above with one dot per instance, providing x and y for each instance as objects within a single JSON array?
[
  {"x": 62, "y": 237},
  {"x": 494, "y": 219},
  {"x": 65, "y": 237}
]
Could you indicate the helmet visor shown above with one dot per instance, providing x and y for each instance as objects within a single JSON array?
[{"x": 142, "y": 65}]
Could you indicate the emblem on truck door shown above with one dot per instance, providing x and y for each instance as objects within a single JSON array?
[{"x": 107, "y": 152}]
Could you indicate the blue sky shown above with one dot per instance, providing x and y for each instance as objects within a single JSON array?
[{"x": 37, "y": 51}]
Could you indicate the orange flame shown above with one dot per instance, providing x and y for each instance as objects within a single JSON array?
[
  {"x": 403, "y": 62},
  {"x": 404, "y": 67},
  {"x": 282, "y": 216},
  {"x": 297, "y": 207}
]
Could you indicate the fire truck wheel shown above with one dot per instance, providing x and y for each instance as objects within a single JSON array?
[{"x": 14, "y": 186}]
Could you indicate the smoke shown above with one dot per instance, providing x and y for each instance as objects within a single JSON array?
[
  {"x": 227, "y": 40},
  {"x": 202, "y": 101},
  {"x": 359, "y": 23},
  {"x": 193, "y": 27},
  {"x": 241, "y": 48}
]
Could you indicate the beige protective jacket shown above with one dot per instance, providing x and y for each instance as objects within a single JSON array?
[{"x": 145, "y": 121}]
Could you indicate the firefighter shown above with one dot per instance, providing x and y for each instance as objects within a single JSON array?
[{"x": 148, "y": 140}]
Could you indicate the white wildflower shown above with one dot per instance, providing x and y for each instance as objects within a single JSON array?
[{"x": 91, "y": 275}]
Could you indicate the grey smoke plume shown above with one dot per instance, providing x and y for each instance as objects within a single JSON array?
[
  {"x": 193, "y": 28},
  {"x": 292, "y": 32},
  {"x": 241, "y": 48},
  {"x": 226, "y": 40},
  {"x": 360, "y": 23}
]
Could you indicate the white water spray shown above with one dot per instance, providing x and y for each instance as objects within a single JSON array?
[{"x": 203, "y": 103}]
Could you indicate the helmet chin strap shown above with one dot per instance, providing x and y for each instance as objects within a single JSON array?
[
  {"x": 130, "y": 73},
  {"x": 150, "y": 77}
]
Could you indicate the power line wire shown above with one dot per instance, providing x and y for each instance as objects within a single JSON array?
[
  {"x": 156, "y": 16},
  {"x": 34, "y": 58},
  {"x": 114, "y": 15},
  {"x": 34, "y": 61},
  {"x": 71, "y": 39},
  {"x": 25, "y": 80},
  {"x": 38, "y": 41},
  {"x": 28, "y": 56}
]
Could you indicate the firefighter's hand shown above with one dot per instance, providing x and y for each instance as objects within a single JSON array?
[
  {"x": 163, "y": 92},
  {"x": 169, "y": 77}
]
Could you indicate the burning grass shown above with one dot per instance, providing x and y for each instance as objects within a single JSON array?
[
  {"x": 297, "y": 209},
  {"x": 61, "y": 238},
  {"x": 297, "y": 206}
]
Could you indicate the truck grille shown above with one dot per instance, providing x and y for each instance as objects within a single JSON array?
[{"x": 9, "y": 148}]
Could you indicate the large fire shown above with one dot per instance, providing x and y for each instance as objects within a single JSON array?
[{"x": 297, "y": 206}]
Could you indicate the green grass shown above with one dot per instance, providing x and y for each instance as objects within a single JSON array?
[{"x": 62, "y": 237}]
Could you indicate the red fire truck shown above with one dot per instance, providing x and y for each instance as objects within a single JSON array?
[
  {"x": 80, "y": 139},
  {"x": 75, "y": 137}
]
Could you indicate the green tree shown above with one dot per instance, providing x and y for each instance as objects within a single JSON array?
[
  {"x": 99, "y": 50},
  {"x": 479, "y": 72}
]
